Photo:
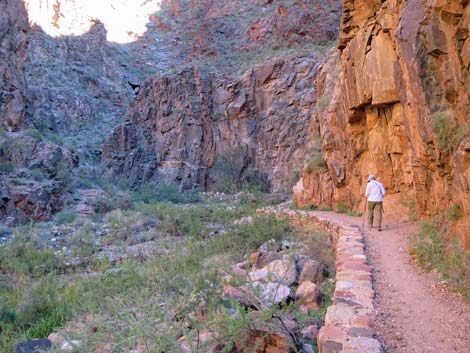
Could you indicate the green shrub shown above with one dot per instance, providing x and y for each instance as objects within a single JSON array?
[
  {"x": 448, "y": 133},
  {"x": 22, "y": 257},
  {"x": 410, "y": 202},
  {"x": 54, "y": 138},
  {"x": 107, "y": 203},
  {"x": 7, "y": 167},
  {"x": 432, "y": 251},
  {"x": 65, "y": 217},
  {"x": 170, "y": 192},
  {"x": 37, "y": 174},
  {"x": 454, "y": 213},
  {"x": 82, "y": 242},
  {"x": 36, "y": 134},
  {"x": 342, "y": 207},
  {"x": 227, "y": 171},
  {"x": 316, "y": 164},
  {"x": 323, "y": 102}
]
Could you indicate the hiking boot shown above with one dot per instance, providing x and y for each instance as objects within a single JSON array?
[{"x": 379, "y": 229}]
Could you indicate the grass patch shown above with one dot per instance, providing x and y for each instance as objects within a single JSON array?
[
  {"x": 316, "y": 164},
  {"x": 342, "y": 207},
  {"x": 432, "y": 251},
  {"x": 153, "y": 300}
]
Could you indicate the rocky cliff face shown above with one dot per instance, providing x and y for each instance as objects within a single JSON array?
[
  {"x": 13, "y": 42},
  {"x": 180, "y": 125},
  {"x": 400, "y": 110},
  {"x": 183, "y": 127}
]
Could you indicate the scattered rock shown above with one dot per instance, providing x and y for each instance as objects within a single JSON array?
[
  {"x": 280, "y": 271},
  {"x": 310, "y": 332},
  {"x": 312, "y": 271},
  {"x": 34, "y": 346},
  {"x": 272, "y": 293},
  {"x": 309, "y": 295}
]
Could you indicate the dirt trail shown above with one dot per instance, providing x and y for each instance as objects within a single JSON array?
[{"x": 414, "y": 313}]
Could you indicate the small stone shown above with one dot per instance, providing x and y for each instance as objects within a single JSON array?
[
  {"x": 253, "y": 258},
  {"x": 55, "y": 338},
  {"x": 365, "y": 344},
  {"x": 310, "y": 332},
  {"x": 242, "y": 296},
  {"x": 70, "y": 346}
]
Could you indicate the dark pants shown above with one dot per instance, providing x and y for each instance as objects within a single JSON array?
[{"x": 375, "y": 207}]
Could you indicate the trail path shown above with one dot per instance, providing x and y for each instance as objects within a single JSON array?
[{"x": 415, "y": 314}]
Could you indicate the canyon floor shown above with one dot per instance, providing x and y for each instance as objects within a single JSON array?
[{"x": 416, "y": 313}]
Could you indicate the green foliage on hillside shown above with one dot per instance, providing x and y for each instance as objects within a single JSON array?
[{"x": 433, "y": 251}]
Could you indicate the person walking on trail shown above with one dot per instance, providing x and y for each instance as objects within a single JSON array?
[{"x": 375, "y": 193}]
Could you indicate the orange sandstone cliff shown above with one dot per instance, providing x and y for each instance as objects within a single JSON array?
[{"x": 397, "y": 106}]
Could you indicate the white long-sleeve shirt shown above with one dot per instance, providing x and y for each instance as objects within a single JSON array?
[{"x": 375, "y": 191}]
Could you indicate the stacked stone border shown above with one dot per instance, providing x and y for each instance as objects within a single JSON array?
[{"x": 349, "y": 320}]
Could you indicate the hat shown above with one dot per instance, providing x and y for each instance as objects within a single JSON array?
[{"x": 371, "y": 177}]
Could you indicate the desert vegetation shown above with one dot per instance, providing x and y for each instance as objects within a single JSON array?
[
  {"x": 151, "y": 275},
  {"x": 434, "y": 252}
]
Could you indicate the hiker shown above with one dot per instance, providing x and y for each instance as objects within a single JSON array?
[{"x": 375, "y": 193}]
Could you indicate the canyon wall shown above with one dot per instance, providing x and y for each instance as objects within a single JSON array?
[
  {"x": 247, "y": 98},
  {"x": 180, "y": 125},
  {"x": 400, "y": 110},
  {"x": 13, "y": 43}
]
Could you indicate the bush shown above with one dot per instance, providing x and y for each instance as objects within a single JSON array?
[
  {"x": 7, "y": 167},
  {"x": 82, "y": 242},
  {"x": 23, "y": 257},
  {"x": 448, "y": 133},
  {"x": 171, "y": 192},
  {"x": 36, "y": 134},
  {"x": 227, "y": 171},
  {"x": 316, "y": 164},
  {"x": 323, "y": 102},
  {"x": 454, "y": 213},
  {"x": 65, "y": 217},
  {"x": 344, "y": 208},
  {"x": 37, "y": 174},
  {"x": 107, "y": 203},
  {"x": 432, "y": 251}
]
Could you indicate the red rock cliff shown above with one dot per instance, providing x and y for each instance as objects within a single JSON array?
[{"x": 400, "y": 109}]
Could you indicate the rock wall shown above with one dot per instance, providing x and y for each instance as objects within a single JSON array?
[
  {"x": 400, "y": 109},
  {"x": 13, "y": 42},
  {"x": 179, "y": 125}
]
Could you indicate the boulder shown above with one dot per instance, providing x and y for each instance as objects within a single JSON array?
[
  {"x": 272, "y": 293},
  {"x": 312, "y": 271},
  {"x": 34, "y": 346},
  {"x": 280, "y": 271},
  {"x": 309, "y": 295}
]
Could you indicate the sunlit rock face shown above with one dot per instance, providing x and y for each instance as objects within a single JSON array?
[
  {"x": 400, "y": 109},
  {"x": 125, "y": 20}
]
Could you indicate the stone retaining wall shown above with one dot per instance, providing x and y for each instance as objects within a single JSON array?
[{"x": 349, "y": 320}]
